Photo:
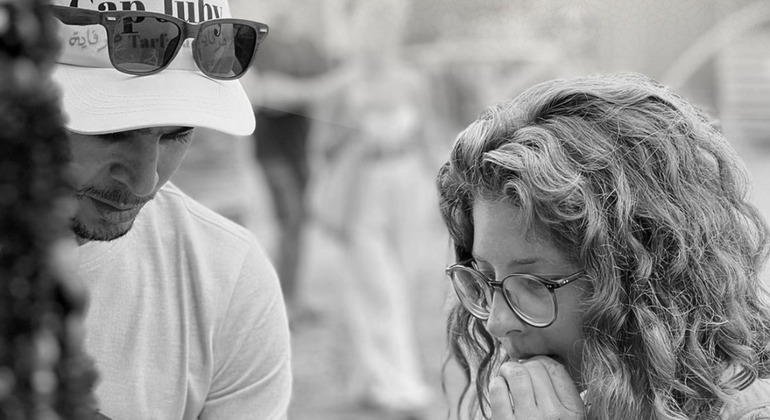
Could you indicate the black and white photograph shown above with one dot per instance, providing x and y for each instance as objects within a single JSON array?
[{"x": 384, "y": 209}]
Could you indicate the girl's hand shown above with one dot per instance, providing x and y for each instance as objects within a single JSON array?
[{"x": 539, "y": 388}]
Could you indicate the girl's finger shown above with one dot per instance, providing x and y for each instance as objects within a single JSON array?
[
  {"x": 555, "y": 381},
  {"x": 521, "y": 388},
  {"x": 500, "y": 400},
  {"x": 543, "y": 390}
]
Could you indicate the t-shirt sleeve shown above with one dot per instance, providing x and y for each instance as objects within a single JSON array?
[{"x": 252, "y": 370}]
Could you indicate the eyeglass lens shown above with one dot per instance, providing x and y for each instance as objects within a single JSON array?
[
  {"x": 225, "y": 49},
  {"x": 526, "y": 294},
  {"x": 143, "y": 44},
  {"x": 530, "y": 296}
]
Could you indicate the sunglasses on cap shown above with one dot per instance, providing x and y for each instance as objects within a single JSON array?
[{"x": 143, "y": 43}]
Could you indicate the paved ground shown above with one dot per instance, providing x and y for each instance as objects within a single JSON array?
[{"x": 322, "y": 358}]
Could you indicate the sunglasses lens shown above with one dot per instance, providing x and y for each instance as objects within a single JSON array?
[
  {"x": 143, "y": 44},
  {"x": 225, "y": 50}
]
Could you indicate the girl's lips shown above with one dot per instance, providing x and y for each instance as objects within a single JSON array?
[
  {"x": 514, "y": 354},
  {"x": 522, "y": 356}
]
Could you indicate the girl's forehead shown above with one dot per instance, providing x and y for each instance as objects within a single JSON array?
[{"x": 503, "y": 236}]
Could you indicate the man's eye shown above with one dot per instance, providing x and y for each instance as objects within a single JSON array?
[{"x": 181, "y": 137}]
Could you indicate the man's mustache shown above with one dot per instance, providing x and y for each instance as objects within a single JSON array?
[{"x": 119, "y": 197}]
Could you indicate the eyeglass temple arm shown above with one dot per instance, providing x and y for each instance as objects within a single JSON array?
[
  {"x": 463, "y": 263},
  {"x": 566, "y": 280},
  {"x": 75, "y": 16}
]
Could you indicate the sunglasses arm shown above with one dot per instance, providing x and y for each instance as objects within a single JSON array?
[{"x": 75, "y": 16}]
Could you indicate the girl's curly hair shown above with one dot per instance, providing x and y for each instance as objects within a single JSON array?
[{"x": 639, "y": 188}]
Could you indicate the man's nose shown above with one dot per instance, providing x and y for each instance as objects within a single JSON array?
[
  {"x": 135, "y": 165},
  {"x": 502, "y": 319}
]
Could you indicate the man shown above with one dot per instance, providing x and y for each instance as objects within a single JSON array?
[{"x": 185, "y": 317}]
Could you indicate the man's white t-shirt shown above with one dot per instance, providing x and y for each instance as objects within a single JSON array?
[{"x": 185, "y": 318}]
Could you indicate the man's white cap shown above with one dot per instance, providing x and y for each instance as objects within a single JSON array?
[{"x": 98, "y": 99}]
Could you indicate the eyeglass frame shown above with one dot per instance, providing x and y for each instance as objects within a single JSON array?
[
  {"x": 550, "y": 285},
  {"x": 109, "y": 19}
]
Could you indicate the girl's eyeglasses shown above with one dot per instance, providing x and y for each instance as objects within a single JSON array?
[
  {"x": 143, "y": 43},
  {"x": 529, "y": 296}
]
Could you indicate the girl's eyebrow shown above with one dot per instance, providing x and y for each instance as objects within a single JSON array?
[{"x": 514, "y": 261}]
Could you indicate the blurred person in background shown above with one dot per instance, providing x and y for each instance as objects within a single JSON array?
[
  {"x": 281, "y": 138},
  {"x": 374, "y": 194},
  {"x": 608, "y": 259},
  {"x": 292, "y": 78},
  {"x": 185, "y": 318}
]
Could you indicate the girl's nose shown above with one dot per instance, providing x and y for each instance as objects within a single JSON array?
[{"x": 502, "y": 319}]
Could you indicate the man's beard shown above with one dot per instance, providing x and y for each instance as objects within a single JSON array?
[
  {"x": 105, "y": 231},
  {"x": 108, "y": 233}
]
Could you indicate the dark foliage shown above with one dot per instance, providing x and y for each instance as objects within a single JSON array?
[{"x": 43, "y": 373}]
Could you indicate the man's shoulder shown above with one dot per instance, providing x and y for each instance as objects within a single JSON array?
[
  {"x": 198, "y": 233},
  {"x": 193, "y": 236},
  {"x": 187, "y": 217}
]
